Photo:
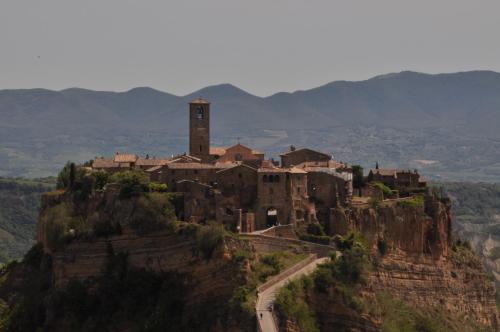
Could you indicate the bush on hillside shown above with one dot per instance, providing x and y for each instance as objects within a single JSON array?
[
  {"x": 62, "y": 225},
  {"x": 291, "y": 304},
  {"x": 316, "y": 229},
  {"x": 153, "y": 212},
  {"x": 132, "y": 183},
  {"x": 209, "y": 238}
]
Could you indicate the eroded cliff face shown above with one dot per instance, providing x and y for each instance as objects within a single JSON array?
[
  {"x": 418, "y": 230},
  {"x": 420, "y": 267}
]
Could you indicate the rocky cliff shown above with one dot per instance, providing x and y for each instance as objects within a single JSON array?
[{"x": 414, "y": 260}]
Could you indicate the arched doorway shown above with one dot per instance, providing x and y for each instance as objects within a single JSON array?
[{"x": 271, "y": 217}]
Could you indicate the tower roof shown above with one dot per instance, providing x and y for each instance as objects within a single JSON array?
[{"x": 200, "y": 101}]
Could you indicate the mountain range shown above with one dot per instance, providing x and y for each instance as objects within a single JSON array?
[{"x": 444, "y": 124}]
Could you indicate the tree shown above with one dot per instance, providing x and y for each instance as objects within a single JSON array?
[{"x": 358, "y": 178}]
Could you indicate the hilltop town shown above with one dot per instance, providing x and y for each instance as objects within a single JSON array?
[{"x": 239, "y": 187}]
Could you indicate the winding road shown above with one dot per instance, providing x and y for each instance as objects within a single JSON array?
[{"x": 266, "y": 297}]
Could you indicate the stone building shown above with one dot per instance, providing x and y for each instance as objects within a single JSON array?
[{"x": 398, "y": 179}]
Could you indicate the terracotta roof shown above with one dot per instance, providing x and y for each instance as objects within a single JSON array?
[
  {"x": 189, "y": 166},
  {"x": 272, "y": 170},
  {"x": 218, "y": 151},
  {"x": 154, "y": 169},
  {"x": 184, "y": 158},
  {"x": 104, "y": 163},
  {"x": 198, "y": 165},
  {"x": 330, "y": 163},
  {"x": 125, "y": 158},
  {"x": 200, "y": 101},
  {"x": 304, "y": 149},
  {"x": 237, "y": 165},
  {"x": 151, "y": 162}
]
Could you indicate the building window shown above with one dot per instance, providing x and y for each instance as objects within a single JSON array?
[
  {"x": 264, "y": 178},
  {"x": 271, "y": 178},
  {"x": 271, "y": 191},
  {"x": 173, "y": 171},
  {"x": 238, "y": 157},
  {"x": 201, "y": 148},
  {"x": 298, "y": 190},
  {"x": 276, "y": 178},
  {"x": 240, "y": 175},
  {"x": 195, "y": 171},
  {"x": 199, "y": 113}
]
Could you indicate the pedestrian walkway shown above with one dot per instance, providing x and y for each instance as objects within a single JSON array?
[{"x": 268, "y": 291}]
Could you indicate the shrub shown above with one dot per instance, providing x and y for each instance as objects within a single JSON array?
[
  {"x": 153, "y": 212},
  {"x": 316, "y": 229},
  {"x": 132, "y": 183},
  {"x": 63, "y": 178},
  {"x": 240, "y": 256},
  {"x": 315, "y": 238},
  {"x": 291, "y": 304},
  {"x": 358, "y": 177},
  {"x": 158, "y": 187},
  {"x": 209, "y": 238},
  {"x": 385, "y": 190},
  {"x": 62, "y": 225},
  {"x": 101, "y": 179},
  {"x": 415, "y": 201},
  {"x": 273, "y": 261},
  {"x": 463, "y": 255}
]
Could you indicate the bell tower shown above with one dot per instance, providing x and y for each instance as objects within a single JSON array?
[{"x": 199, "y": 129}]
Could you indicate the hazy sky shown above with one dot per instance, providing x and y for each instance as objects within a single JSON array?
[{"x": 262, "y": 46}]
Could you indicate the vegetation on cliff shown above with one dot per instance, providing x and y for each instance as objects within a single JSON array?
[{"x": 122, "y": 297}]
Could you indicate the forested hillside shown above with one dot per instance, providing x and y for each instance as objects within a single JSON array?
[
  {"x": 19, "y": 205},
  {"x": 445, "y": 125}
]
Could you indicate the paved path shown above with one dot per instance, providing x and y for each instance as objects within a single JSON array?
[{"x": 268, "y": 296}]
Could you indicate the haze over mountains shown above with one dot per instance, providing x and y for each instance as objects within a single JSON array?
[{"x": 446, "y": 124}]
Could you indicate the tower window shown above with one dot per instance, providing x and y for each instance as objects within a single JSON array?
[
  {"x": 201, "y": 148},
  {"x": 200, "y": 113}
]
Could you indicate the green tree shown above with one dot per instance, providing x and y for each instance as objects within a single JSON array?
[{"x": 358, "y": 177}]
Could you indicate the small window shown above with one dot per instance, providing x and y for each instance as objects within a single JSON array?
[
  {"x": 201, "y": 148},
  {"x": 264, "y": 178},
  {"x": 200, "y": 114},
  {"x": 195, "y": 171},
  {"x": 173, "y": 171},
  {"x": 238, "y": 157},
  {"x": 276, "y": 178},
  {"x": 240, "y": 175},
  {"x": 298, "y": 190},
  {"x": 271, "y": 178}
]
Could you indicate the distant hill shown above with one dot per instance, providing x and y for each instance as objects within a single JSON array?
[{"x": 445, "y": 124}]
